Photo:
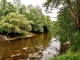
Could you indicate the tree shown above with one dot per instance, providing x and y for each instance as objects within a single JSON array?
[
  {"x": 70, "y": 4},
  {"x": 41, "y": 23},
  {"x": 17, "y": 4},
  {"x": 6, "y": 8},
  {"x": 14, "y": 23},
  {"x": 65, "y": 26},
  {"x": 22, "y": 9}
]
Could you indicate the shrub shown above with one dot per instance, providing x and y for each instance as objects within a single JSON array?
[{"x": 14, "y": 23}]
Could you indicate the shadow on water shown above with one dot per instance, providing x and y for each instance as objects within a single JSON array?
[
  {"x": 4, "y": 46},
  {"x": 40, "y": 47}
]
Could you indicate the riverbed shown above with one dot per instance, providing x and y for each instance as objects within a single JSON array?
[{"x": 39, "y": 47}]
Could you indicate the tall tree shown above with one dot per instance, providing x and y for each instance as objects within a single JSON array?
[
  {"x": 3, "y": 3},
  {"x": 41, "y": 23},
  {"x": 5, "y": 8},
  {"x": 22, "y": 9},
  {"x": 17, "y": 4},
  {"x": 70, "y": 5}
]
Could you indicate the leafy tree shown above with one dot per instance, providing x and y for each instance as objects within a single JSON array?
[
  {"x": 3, "y": 3},
  {"x": 22, "y": 9},
  {"x": 14, "y": 23},
  {"x": 68, "y": 24},
  {"x": 41, "y": 23},
  {"x": 70, "y": 4},
  {"x": 17, "y": 4},
  {"x": 65, "y": 25},
  {"x": 6, "y": 8}
]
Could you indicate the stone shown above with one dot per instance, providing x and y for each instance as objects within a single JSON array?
[
  {"x": 25, "y": 48},
  {"x": 35, "y": 55},
  {"x": 13, "y": 56}
]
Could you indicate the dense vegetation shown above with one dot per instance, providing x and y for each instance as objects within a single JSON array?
[
  {"x": 18, "y": 19},
  {"x": 41, "y": 23},
  {"x": 67, "y": 26},
  {"x": 14, "y": 23},
  {"x": 68, "y": 56}
]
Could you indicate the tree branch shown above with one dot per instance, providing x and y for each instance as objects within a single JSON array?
[
  {"x": 78, "y": 5},
  {"x": 73, "y": 14}
]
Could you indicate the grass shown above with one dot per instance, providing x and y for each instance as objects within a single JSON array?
[{"x": 67, "y": 56}]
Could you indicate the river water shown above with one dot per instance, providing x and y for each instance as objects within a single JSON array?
[{"x": 39, "y": 47}]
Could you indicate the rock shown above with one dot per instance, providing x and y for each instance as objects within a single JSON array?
[
  {"x": 3, "y": 38},
  {"x": 67, "y": 43},
  {"x": 64, "y": 47},
  {"x": 40, "y": 52},
  {"x": 13, "y": 56},
  {"x": 16, "y": 55},
  {"x": 30, "y": 50},
  {"x": 35, "y": 55},
  {"x": 40, "y": 47},
  {"x": 25, "y": 48},
  {"x": 45, "y": 52}
]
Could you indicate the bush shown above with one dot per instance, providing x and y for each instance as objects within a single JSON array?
[
  {"x": 14, "y": 23},
  {"x": 68, "y": 56}
]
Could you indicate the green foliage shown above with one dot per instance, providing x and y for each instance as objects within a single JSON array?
[
  {"x": 14, "y": 23},
  {"x": 76, "y": 46},
  {"x": 22, "y": 9},
  {"x": 65, "y": 27},
  {"x": 68, "y": 56},
  {"x": 53, "y": 3},
  {"x": 6, "y": 8},
  {"x": 41, "y": 23},
  {"x": 38, "y": 21}
]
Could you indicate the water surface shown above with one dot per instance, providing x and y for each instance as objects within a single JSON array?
[{"x": 21, "y": 49}]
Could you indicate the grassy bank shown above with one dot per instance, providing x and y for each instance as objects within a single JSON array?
[{"x": 68, "y": 56}]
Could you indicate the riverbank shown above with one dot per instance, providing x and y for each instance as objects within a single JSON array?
[
  {"x": 68, "y": 56},
  {"x": 4, "y": 37}
]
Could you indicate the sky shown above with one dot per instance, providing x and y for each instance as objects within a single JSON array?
[{"x": 39, "y": 2}]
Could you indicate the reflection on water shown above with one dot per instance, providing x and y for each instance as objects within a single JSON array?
[
  {"x": 52, "y": 49},
  {"x": 41, "y": 46}
]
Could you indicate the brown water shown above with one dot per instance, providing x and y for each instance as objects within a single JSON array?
[{"x": 39, "y": 47}]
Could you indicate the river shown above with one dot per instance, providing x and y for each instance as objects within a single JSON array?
[{"x": 39, "y": 47}]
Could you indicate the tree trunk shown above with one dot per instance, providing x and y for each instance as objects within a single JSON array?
[
  {"x": 78, "y": 5},
  {"x": 76, "y": 19}
]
